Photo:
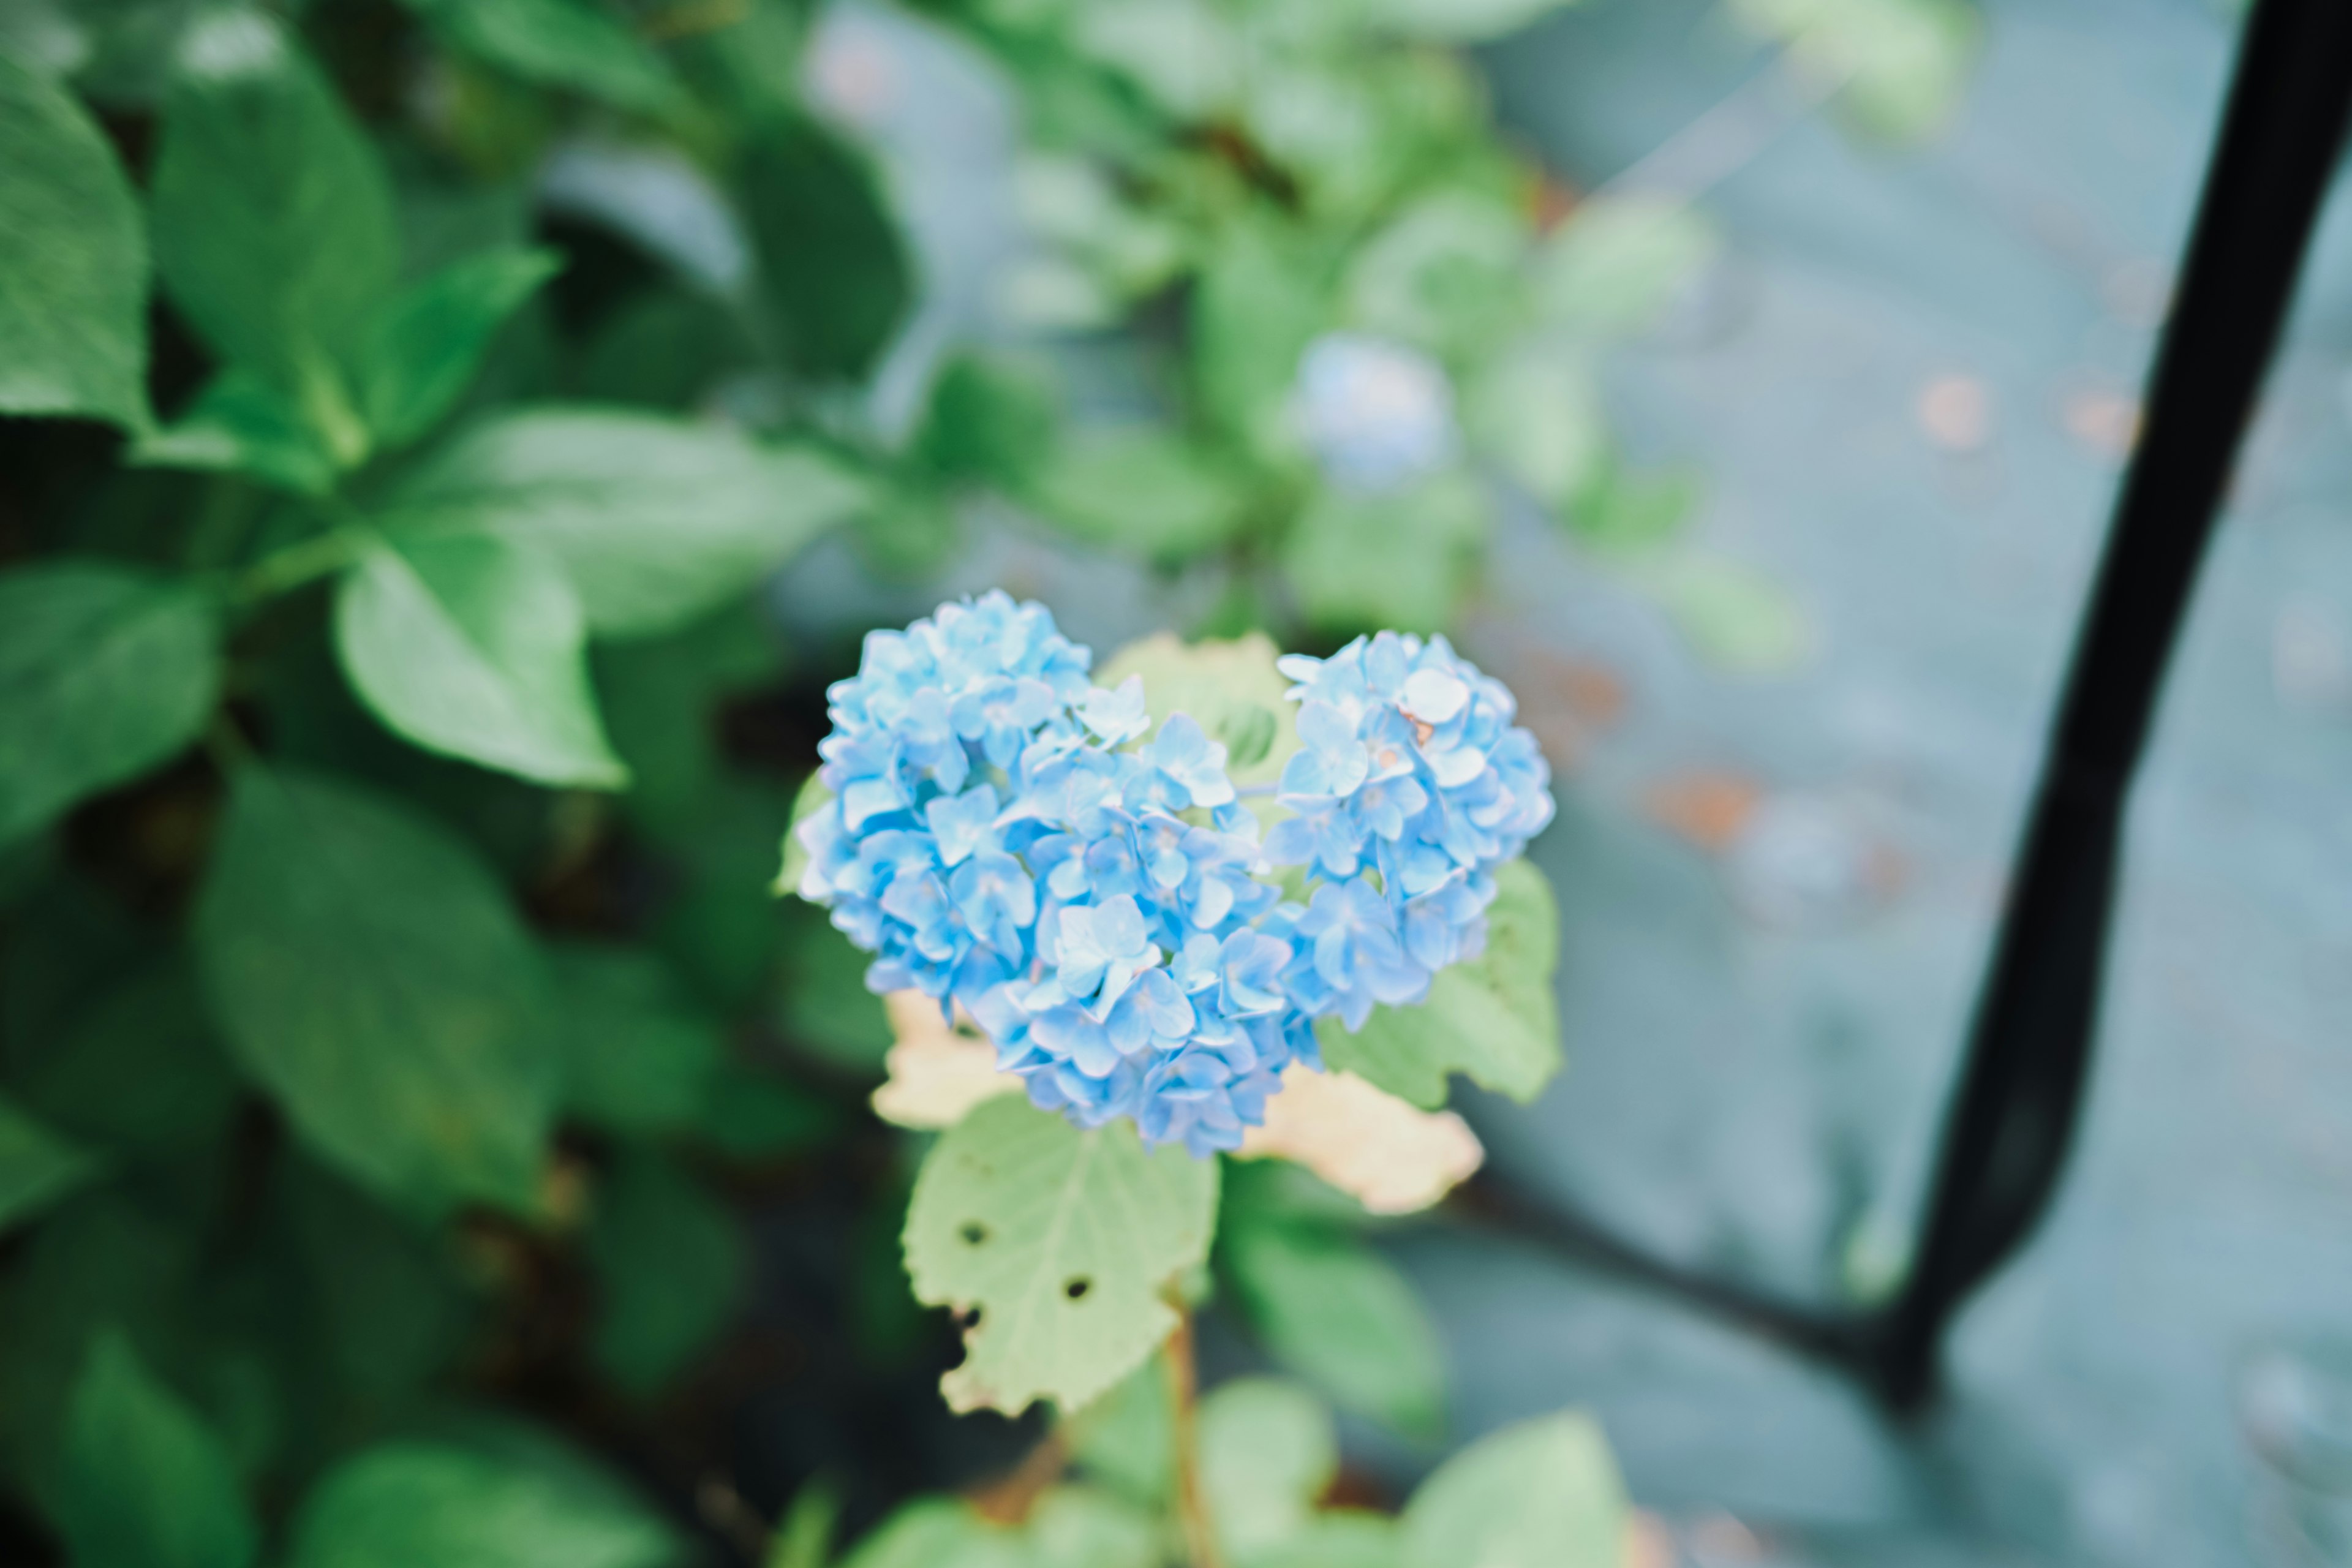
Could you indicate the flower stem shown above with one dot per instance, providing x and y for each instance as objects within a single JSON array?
[
  {"x": 1184, "y": 1399},
  {"x": 319, "y": 556}
]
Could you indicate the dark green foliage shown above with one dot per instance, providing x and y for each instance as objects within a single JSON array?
[{"x": 835, "y": 272}]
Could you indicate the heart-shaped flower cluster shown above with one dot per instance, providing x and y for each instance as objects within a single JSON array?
[{"x": 1003, "y": 835}]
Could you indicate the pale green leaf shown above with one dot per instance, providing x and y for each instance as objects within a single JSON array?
[
  {"x": 640, "y": 1057},
  {"x": 1445, "y": 275},
  {"x": 73, "y": 273},
  {"x": 1627, "y": 516},
  {"x": 1143, "y": 490},
  {"x": 1231, "y": 686},
  {"x": 669, "y": 1267},
  {"x": 1338, "y": 1313},
  {"x": 404, "y": 1505},
  {"x": 1737, "y": 616},
  {"x": 143, "y": 1483},
  {"x": 1401, "y": 559},
  {"x": 1616, "y": 262},
  {"x": 424, "y": 349},
  {"x": 803, "y": 1537},
  {"x": 370, "y": 973},
  {"x": 1538, "y": 414},
  {"x": 1458, "y": 21},
  {"x": 37, "y": 1165},
  {"x": 242, "y": 423},
  {"x": 1184, "y": 54},
  {"x": 1063, "y": 1242},
  {"x": 1267, "y": 1455},
  {"x": 1257, "y": 306},
  {"x": 1542, "y": 1494},
  {"x": 657, "y": 520},
  {"x": 1900, "y": 65},
  {"x": 812, "y": 798},
  {"x": 575, "y": 44},
  {"x": 273, "y": 221},
  {"x": 1126, "y": 1439},
  {"x": 104, "y": 673},
  {"x": 940, "y": 1532},
  {"x": 1492, "y": 1017},
  {"x": 475, "y": 646},
  {"x": 1341, "y": 1538},
  {"x": 1078, "y": 1527}
]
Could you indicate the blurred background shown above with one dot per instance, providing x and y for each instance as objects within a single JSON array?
[{"x": 1745, "y": 382}]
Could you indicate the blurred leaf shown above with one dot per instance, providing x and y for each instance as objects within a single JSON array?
[
  {"x": 1267, "y": 1455},
  {"x": 1060, "y": 1243},
  {"x": 910, "y": 531},
  {"x": 1126, "y": 1439},
  {"x": 1902, "y": 63},
  {"x": 938, "y": 1532},
  {"x": 1257, "y": 306},
  {"x": 1231, "y": 686},
  {"x": 662, "y": 348},
  {"x": 426, "y": 345},
  {"x": 748, "y": 1114},
  {"x": 833, "y": 268},
  {"x": 669, "y": 1268},
  {"x": 1078, "y": 1527},
  {"x": 273, "y": 221},
  {"x": 401, "y": 1505},
  {"x": 1183, "y": 53},
  {"x": 73, "y": 277},
  {"x": 937, "y": 1071},
  {"x": 475, "y": 646},
  {"x": 989, "y": 423},
  {"x": 1492, "y": 1017},
  {"x": 823, "y": 1004},
  {"x": 1628, "y": 516},
  {"x": 1144, "y": 489},
  {"x": 808, "y": 801},
  {"x": 242, "y": 423},
  {"x": 1737, "y": 616},
  {"x": 661, "y": 699},
  {"x": 803, "y": 1537},
  {"x": 1538, "y": 414},
  {"x": 1457, "y": 21},
  {"x": 138, "y": 1071},
  {"x": 574, "y": 43},
  {"x": 1541, "y": 1494},
  {"x": 145, "y": 1484},
  {"x": 383, "y": 1301},
  {"x": 1338, "y": 1313},
  {"x": 1362, "y": 1140},
  {"x": 37, "y": 1165},
  {"x": 1400, "y": 559},
  {"x": 1445, "y": 275},
  {"x": 1616, "y": 262},
  {"x": 1340, "y": 1538},
  {"x": 722, "y": 928},
  {"x": 641, "y": 1058},
  {"x": 371, "y": 975},
  {"x": 104, "y": 673},
  {"x": 657, "y": 522}
]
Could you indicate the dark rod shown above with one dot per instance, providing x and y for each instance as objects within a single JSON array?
[{"x": 2030, "y": 1046}]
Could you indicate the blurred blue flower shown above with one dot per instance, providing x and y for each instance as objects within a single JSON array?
[{"x": 1376, "y": 414}]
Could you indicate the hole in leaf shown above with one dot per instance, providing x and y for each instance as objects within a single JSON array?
[
  {"x": 1077, "y": 1287},
  {"x": 973, "y": 1233},
  {"x": 968, "y": 1320}
]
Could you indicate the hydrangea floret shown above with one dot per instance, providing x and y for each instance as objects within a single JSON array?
[{"x": 1005, "y": 835}]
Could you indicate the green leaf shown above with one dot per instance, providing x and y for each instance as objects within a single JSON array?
[
  {"x": 657, "y": 520},
  {"x": 475, "y": 646},
  {"x": 1901, "y": 64},
  {"x": 751, "y": 1114},
  {"x": 1541, "y": 1494},
  {"x": 833, "y": 268},
  {"x": 938, "y": 1532},
  {"x": 1538, "y": 414},
  {"x": 1126, "y": 1439},
  {"x": 1257, "y": 306},
  {"x": 1737, "y": 616},
  {"x": 426, "y": 345},
  {"x": 1142, "y": 488},
  {"x": 1184, "y": 54},
  {"x": 1341, "y": 1538},
  {"x": 273, "y": 221},
  {"x": 1338, "y": 1313},
  {"x": 1627, "y": 516},
  {"x": 104, "y": 673},
  {"x": 1444, "y": 275},
  {"x": 144, "y": 1484},
  {"x": 1067, "y": 1527},
  {"x": 669, "y": 1267},
  {"x": 1230, "y": 686},
  {"x": 138, "y": 1071},
  {"x": 1616, "y": 262},
  {"x": 811, "y": 798},
  {"x": 574, "y": 43},
  {"x": 663, "y": 698},
  {"x": 1063, "y": 1244},
  {"x": 38, "y": 1167},
  {"x": 403, "y": 1505},
  {"x": 1267, "y": 1455},
  {"x": 1458, "y": 21},
  {"x": 1400, "y": 560},
  {"x": 73, "y": 277},
  {"x": 1492, "y": 1017},
  {"x": 1078, "y": 1527},
  {"x": 384, "y": 1304},
  {"x": 242, "y": 423},
  {"x": 823, "y": 1004},
  {"x": 803, "y": 1537},
  {"x": 988, "y": 423},
  {"x": 641, "y": 1058},
  {"x": 370, "y": 973}
]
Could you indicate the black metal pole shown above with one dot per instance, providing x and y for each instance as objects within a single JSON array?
[{"x": 2030, "y": 1046}]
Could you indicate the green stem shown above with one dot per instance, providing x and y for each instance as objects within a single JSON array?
[
  {"x": 1183, "y": 1397},
  {"x": 283, "y": 571}
]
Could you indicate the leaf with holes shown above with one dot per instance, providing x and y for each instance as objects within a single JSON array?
[
  {"x": 1491, "y": 1018},
  {"x": 1060, "y": 1244}
]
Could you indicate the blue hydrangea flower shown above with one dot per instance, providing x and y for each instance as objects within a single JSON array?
[
  {"x": 1376, "y": 414},
  {"x": 1005, "y": 835}
]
